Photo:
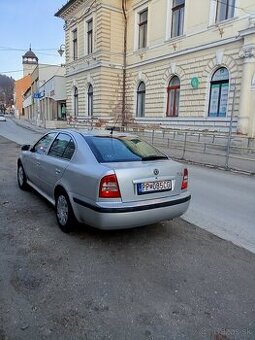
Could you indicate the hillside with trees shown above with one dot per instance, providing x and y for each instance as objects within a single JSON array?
[{"x": 6, "y": 91}]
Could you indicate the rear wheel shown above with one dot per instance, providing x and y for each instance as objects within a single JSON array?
[
  {"x": 21, "y": 177},
  {"x": 64, "y": 212}
]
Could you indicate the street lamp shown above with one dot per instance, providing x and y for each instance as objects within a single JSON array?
[{"x": 61, "y": 50}]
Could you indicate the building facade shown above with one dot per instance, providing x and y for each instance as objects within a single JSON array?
[
  {"x": 45, "y": 80},
  {"x": 52, "y": 101},
  {"x": 21, "y": 86},
  {"x": 169, "y": 63}
]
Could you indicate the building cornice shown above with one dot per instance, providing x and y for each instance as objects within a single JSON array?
[
  {"x": 247, "y": 31},
  {"x": 63, "y": 9},
  {"x": 184, "y": 52},
  {"x": 84, "y": 68}
]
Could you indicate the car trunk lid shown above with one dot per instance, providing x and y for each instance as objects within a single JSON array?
[{"x": 142, "y": 180}]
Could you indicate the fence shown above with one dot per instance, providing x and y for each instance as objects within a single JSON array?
[{"x": 229, "y": 151}]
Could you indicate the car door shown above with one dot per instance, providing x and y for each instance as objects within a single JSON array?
[
  {"x": 55, "y": 162},
  {"x": 33, "y": 159}
]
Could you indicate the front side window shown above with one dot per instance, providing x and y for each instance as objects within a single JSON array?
[
  {"x": 177, "y": 18},
  {"x": 173, "y": 96},
  {"x": 225, "y": 10},
  {"x": 140, "y": 106},
  {"x": 90, "y": 100},
  {"x": 219, "y": 93},
  {"x": 62, "y": 147},
  {"x": 75, "y": 45},
  {"x": 90, "y": 36},
  {"x": 42, "y": 145},
  {"x": 142, "y": 39},
  {"x": 75, "y": 101}
]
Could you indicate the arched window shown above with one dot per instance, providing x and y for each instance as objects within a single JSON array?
[
  {"x": 75, "y": 101},
  {"x": 90, "y": 100},
  {"x": 219, "y": 93},
  {"x": 140, "y": 105},
  {"x": 173, "y": 95}
]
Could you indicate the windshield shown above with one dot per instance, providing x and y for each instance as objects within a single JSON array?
[{"x": 122, "y": 149}]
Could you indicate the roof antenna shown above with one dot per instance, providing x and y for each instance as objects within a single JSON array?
[{"x": 114, "y": 126}]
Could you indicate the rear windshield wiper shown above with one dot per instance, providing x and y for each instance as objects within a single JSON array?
[{"x": 152, "y": 158}]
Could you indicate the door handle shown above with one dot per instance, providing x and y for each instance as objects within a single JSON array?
[
  {"x": 58, "y": 171},
  {"x": 38, "y": 163}
]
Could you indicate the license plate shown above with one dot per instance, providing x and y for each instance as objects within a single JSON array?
[{"x": 148, "y": 187}]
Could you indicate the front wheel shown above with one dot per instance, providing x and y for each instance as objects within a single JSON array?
[
  {"x": 64, "y": 212},
  {"x": 21, "y": 177}
]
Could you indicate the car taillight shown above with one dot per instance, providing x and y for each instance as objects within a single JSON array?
[
  {"x": 185, "y": 179},
  {"x": 109, "y": 187}
]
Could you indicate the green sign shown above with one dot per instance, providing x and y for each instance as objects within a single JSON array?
[{"x": 194, "y": 82}]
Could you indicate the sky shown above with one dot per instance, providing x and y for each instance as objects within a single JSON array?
[{"x": 25, "y": 22}]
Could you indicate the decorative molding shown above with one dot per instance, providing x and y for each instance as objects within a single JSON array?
[
  {"x": 141, "y": 77},
  {"x": 173, "y": 70},
  {"x": 248, "y": 52},
  {"x": 251, "y": 21},
  {"x": 173, "y": 67},
  {"x": 187, "y": 51},
  {"x": 219, "y": 57}
]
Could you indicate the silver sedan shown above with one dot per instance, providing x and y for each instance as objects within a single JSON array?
[{"x": 107, "y": 180}]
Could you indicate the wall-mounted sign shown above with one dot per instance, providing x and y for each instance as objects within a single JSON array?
[
  {"x": 38, "y": 95},
  {"x": 194, "y": 82}
]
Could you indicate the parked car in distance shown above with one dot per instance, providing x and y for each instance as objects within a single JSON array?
[
  {"x": 2, "y": 117},
  {"x": 104, "y": 179}
]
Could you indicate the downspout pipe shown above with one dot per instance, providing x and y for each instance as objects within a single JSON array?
[{"x": 123, "y": 113}]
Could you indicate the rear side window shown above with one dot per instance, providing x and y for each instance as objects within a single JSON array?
[
  {"x": 122, "y": 149},
  {"x": 62, "y": 147}
]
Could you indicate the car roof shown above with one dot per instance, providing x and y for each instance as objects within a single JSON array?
[{"x": 95, "y": 132}]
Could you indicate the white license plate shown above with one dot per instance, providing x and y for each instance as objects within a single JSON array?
[{"x": 147, "y": 187}]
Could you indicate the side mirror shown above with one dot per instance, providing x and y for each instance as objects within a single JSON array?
[{"x": 25, "y": 147}]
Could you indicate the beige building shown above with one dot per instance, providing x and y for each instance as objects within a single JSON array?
[{"x": 170, "y": 63}]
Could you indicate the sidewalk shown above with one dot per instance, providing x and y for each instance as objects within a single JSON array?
[
  {"x": 28, "y": 125},
  {"x": 202, "y": 153}
]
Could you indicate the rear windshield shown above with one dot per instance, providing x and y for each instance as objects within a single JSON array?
[{"x": 122, "y": 149}]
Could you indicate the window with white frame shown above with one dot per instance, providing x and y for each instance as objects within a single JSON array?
[
  {"x": 90, "y": 100},
  {"x": 219, "y": 89},
  {"x": 75, "y": 44},
  {"x": 75, "y": 101},
  {"x": 142, "y": 24},
  {"x": 90, "y": 36},
  {"x": 225, "y": 9},
  {"x": 178, "y": 7},
  {"x": 140, "y": 104}
]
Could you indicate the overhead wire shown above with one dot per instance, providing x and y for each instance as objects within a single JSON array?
[{"x": 41, "y": 67}]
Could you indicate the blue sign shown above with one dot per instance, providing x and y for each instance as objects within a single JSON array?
[{"x": 38, "y": 95}]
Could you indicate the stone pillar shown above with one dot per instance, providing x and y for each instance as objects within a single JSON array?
[{"x": 247, "y": 53}]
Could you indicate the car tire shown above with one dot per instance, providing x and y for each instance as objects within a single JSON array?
[
  {"x": 21, "y": 177},
  {"x": 64, "y": 212}
]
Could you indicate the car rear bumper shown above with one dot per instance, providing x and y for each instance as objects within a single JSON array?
[{"x": 120, "y": 216}]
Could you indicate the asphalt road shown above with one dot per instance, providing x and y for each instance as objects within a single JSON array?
[
  {"x": 222, "y": 202},
  {"x": 166, "y": 281}
]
